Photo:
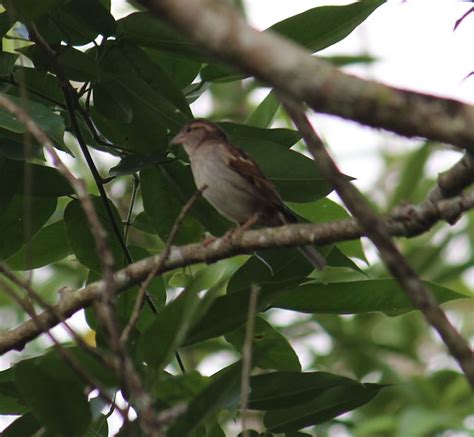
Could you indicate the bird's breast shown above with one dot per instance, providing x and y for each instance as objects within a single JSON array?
[{"x": 225, "y": 189}]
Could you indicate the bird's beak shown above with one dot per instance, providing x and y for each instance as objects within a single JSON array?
[{"x": 178, "y": 139}]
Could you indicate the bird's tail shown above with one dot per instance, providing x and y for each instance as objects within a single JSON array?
[{"x": 313, "y": 256}]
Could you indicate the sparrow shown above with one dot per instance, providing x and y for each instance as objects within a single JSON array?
[{"x": 234, "y": 183}]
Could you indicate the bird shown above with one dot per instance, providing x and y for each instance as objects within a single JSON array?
[{"x": 234, "y": 183}]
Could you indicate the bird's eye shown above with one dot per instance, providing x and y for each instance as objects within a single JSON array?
[{"x": 189, "y": 129}]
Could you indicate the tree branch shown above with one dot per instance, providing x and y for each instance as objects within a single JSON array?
[
  {"x": 402, "y": 225},
  {"x": 219, "y": 29},
  {"x": 376, "y": 230}
]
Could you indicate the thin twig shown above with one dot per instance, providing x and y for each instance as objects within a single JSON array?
[
  {"x": 128, "y": 221},
  {"x": 70, "y": 97},
  {"x": 106, "y": 297},
  {"x": 66, "y": 355},
  {"x": 163, "y": 257},
  {"x": 247, "y": 357},
  {"x": 407, "y": 222},
  {"x": 53, "y": 310},
  {"x": 376, "y": 230}
]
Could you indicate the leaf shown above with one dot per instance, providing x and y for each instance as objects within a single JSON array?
[
  {"x": 51, "y": 123},
  {"x": 228, "y": 312},
  {"x": 354, "y": 297},
  {"x": 265, "y": 112},
  {"x": 65, "y": 410},
  {"x": 161, "y": 340},
  {"x": 31, "y": 10},
  {"x": 7, "y": 19},
  {"x": 77, "y": 65},
  {"x": 133, "y": 163},
  {"x": 222, "y": 392},
  {"x": 39, "y": 83},
  {"x": 24, "y": 425},
  {"x": 77, "y": 22},
  {"x": 326, "y": 406},
  {"x": 146, "y": 30},
  {"x": 45, "y": 181},
  {"x": 326, "y": 210},
  {"x": 277, "y": 390},
  {"x": 12, "y": 221},
  {"x": 322, "y": 27},
  {"x": 11, "y": 401},
  {"x": 81, "y": 240},
  {"x": 162, "y": 204},
  {"x": 156, "y": 77},
  {"x": 49, "y": 245},
  {"x": 409, "y": 178},
  {"x": 120, "y": 62},
  {"x": 182, "y": 70},
  {"x": 7, "y": 62},
  {"x": 111, "y": 102},
  {"x": 271, "y": 349},
  {"x": 314, "y": 29}
]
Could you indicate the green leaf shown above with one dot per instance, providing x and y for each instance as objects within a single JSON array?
[
  {"x": 354, "y": 297},
  {"x": 65, "y": 410},
  {"x": 162, "y": 203},
  {"x": 31, "y": 10},
  {"x": 13, "y": 218},
  {"x": 7, "y": 62},
  {"x": 77, "y": 65},
  {"x": 277, "y": 390},
  {"x": 51, "y": 123},
  {"x": 222, "y": 392},
  {"x": 157, "y": 78},
  {"x": 182, "y": 70},
  {"x": 45, "y": 181},
  {"x": 49, "y": 245},
  {"x": 16, "y": 150},
  {"x": 324, "y": 26},
  {"x": 409, "y": 178},
  {"x": 81, "y": 240},
  {"x": 144, "y": 93},
  {"x": 110, "y": 100},
  {"x": 131, "y": 164},
  {"x": 327, "y": 405},
  {"x": 326, "y": 210},
  {"x": 77, "y": 22},
  {"x": 265, "y": 112},
  {"x": 295, "y": 176},
  {"x": 314, "y": 29},
  {"x": 225, "y": 314},
  {"x": 161, "y": 340},
  {"x": 11, "y": 401},
  {"x": 271, "y": 349},
  {"x": 24, "y": 425},
  {"x": 146, "y": 30},
  {"x": 39, "y": 83},
  {"x": 172, "y": 389},
  {"x": 142, "y": 134},
  {"x": 126, "y": 301},
  {"x": 7, "y": 19}
]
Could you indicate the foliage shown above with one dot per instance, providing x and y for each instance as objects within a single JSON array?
[{"x": 135, "y": 81}]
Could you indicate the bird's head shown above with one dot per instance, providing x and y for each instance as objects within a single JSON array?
[{"x": 194, "y": 132}]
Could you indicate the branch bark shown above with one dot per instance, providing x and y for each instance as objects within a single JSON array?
[
  {"x": 405, "y": 224},
  {"x": 220, "y": 30},
  {"x": 376, "y": 230}
]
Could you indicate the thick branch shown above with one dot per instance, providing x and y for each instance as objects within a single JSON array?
[
  {"x": 406, "y": 224},
  {"x": 283, "y": 64}
]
